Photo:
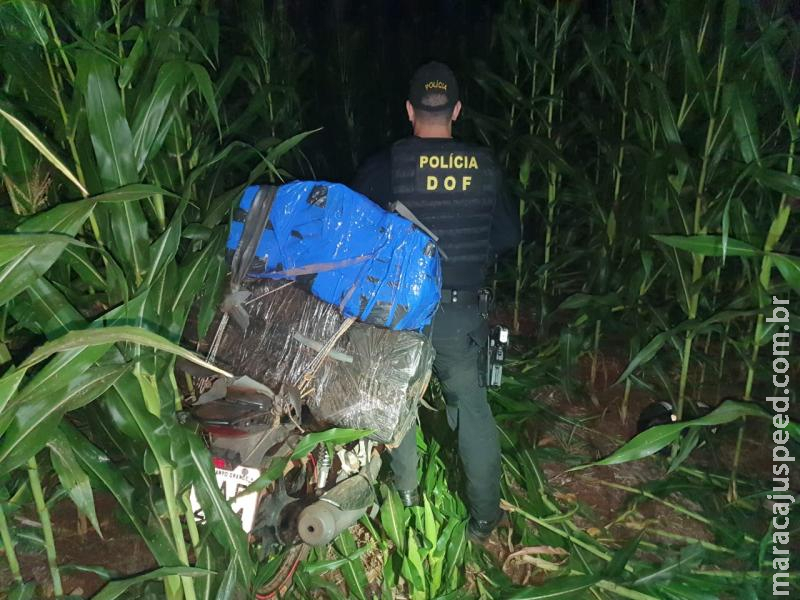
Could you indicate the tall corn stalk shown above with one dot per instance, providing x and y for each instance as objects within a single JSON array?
[
  {"x": 107, "y": 156},
  {"x": 47, "y": 526},
  {"x": 774, "y": 234},
  {"x": 698, "y": 228},
  {"x": 552, "y": 173},
  {"x": 524, "y": 174},
  {"x": 611, "y": 225}
]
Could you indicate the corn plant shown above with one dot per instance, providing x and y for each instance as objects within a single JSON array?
[
  {"x": 664, "y": 178},
  {"x": 120, "y": 171},
  {"x": 652, "y": 156},
  {"x": 529, "y": 90}
]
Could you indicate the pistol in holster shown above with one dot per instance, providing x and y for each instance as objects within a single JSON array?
[{"x": 496, "y": 344}]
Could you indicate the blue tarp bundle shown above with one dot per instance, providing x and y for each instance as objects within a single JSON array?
[{"x": 374, "y": 265}]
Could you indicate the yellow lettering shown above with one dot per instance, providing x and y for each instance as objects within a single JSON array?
[
  {"x": 434, "y": 162},
  {"x": 423, "y": 160},
  {"x": 466, "y": 180},
  {"x": 458, "y": 162},
  {"x": 473, "y": 162},
  {"x": 449, "y": 183},
  {"x": 431, "y": 183},
  {"x": 441, "y": 85}
]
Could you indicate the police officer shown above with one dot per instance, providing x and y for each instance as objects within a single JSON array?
[{"x": 453, "y": 189}]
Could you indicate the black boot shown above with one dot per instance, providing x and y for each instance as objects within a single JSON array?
[
  {"x": 479, "y": 531},
  {"x": 409, "y": 497}
]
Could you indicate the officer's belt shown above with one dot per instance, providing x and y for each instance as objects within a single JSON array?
[{"x": 466, "y": 297}]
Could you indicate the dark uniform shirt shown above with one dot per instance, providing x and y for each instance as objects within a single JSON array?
[{"x": 455, "y": 189}]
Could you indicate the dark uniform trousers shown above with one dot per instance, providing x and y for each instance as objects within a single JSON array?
[{"x": 458, "y": 333}]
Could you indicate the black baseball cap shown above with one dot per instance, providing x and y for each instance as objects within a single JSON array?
[{"x": 433, "y": 88}]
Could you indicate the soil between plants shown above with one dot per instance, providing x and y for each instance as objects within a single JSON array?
[{"x": 607, "y": 512}]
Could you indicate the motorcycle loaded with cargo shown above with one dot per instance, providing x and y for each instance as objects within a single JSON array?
[{"x": 321, "y": 328}]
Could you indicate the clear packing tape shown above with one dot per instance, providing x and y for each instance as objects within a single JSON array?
[{"x": 372, "y": 378}]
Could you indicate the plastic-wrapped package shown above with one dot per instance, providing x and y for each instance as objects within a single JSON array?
[
  {"x": 372, "y": 379},
  {"x": 374, "y": 265}
]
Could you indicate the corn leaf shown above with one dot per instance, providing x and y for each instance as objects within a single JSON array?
[
  {"x": 113, "y": 148},
  {"x": 666, "y": 114},
  {"x": 111, "y": 136},
  {"x": 413, "y": 569},
  {"x": 730, "y": 16},
  {"x": 23, "y": 591},
  {"x": 775, "y": 77},
  {"x": 78, "y": 259},
  {"x": 9, "y": 383},
  {"x": 114, "y": 589},
  {"x": 131, "y": 62},
  {"x": 224, "y": 525},
  {"x": 654, "y": 439},
  {"x": 645, "y": 354},
  {"x": 436, "y": 559},
  {"x": 150, "y": 113},
  {"x": 25, "y": 258},
  {"x": 745, "y": 121},
  {"x": 275, "y": 153},
  {"x": 163, "y": 250},
  {"x": 392, "y": 517},
  {"x": 29, "y": 14},
  {"x": 9, "y": 113},
  {"x": 780, "y": 181},
  {"x": 326, "y": 566},
  {"x": 789, "y": 267},
  {"x": 212, "y": 294},
  {"x": 115, "y": 334},
  {"x": 558, "y": 589},
  {"x": 430, "y": 527},
  {"x": 353, "y": 570},
  {"x": 229, "y": 588},
  {"x": 693, "y": 68},
  {"x": 456, "y": 550},
  {"x": 8, "y": 386},
  {"x": 37, "y": 418},
  {"x": 66, "y": 218},
  {"x": 206, "y": 88},
  {"x": 128, "y": 193},
  {"x": 690, "y": 557},
  {"x": 97, "y": 463},
  {"x": 72, "y": 477},
  {"x": 45, "y": 308},
  {"x": 708, "y": 245}
]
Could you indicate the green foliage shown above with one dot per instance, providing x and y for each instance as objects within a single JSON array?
[
  {"x": 656, "y": 438},
  {"x": 653, "y": 185},
  {"x": 120, "y": 169},
  {"x": 652, "y": 155}
]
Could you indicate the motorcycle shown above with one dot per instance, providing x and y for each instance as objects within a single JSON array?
[
  {"x": 323, "y": 354},
  {"x": 251, "y": 430}
]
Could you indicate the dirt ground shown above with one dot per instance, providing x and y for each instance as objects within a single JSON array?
[
  {"x": 612, "y": 509},
  {"x": 120, "y": 551},
  {"x": 609, "y": 510}
]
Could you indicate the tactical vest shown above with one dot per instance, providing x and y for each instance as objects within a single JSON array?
[{"x": 451, "y": 187}]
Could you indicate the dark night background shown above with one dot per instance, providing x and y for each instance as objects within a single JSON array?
[{"x": 352, "y": 60}]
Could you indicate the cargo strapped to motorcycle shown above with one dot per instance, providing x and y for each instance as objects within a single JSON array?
[
  {"x": 254, "y": 225},
  {"x": 233, "y": 303}
]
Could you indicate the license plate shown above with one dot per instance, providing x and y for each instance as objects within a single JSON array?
[{"x": 233, "y": 482}]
